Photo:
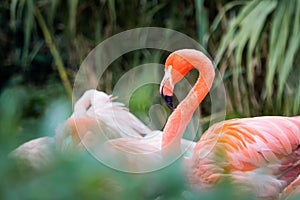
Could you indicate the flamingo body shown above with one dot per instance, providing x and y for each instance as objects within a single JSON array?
[
  {"x": 103, "y": 127},
  {"x": 90, "y": 132},
  {"x": 262, "y": 152},
  {"x": 114, "y": 118},
  {"x": 92, "y": 110}
]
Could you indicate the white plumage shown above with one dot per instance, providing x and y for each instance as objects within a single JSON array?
[{"x": 96, "y": 120}]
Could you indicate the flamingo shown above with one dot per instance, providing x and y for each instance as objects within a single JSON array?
[
  {"x": 90, "y": 134},
  {"x": 95, "y": 111},
  {"x": 39, "y": 153},
  {"x": 262, "y": 153}
]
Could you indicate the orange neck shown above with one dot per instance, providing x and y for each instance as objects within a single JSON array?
[{"x": 181, "y": 116}]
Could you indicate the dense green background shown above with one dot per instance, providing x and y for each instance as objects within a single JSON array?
[{"x": 254, "y": 45}]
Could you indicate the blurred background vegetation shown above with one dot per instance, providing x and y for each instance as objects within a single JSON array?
[{"x": 254, "y": 45}]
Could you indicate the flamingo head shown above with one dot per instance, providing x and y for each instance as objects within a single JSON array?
[{"x": 176, "y": 67}]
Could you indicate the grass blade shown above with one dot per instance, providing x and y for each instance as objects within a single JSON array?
[
  {"x": 50, "y": 43},
  {"x": 72, "y": 16},
  {"x": 13, "y": 8},
  {"x": 28, "y": 27},
  {"x": 292, "y": 48},
  {"x": 202, "y": 22},
  {"x": 278, "y": 38},
  {"x": 265, "y": 8}
]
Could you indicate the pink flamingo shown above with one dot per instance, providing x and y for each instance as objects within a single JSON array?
[{"x": 262, "y": 153}]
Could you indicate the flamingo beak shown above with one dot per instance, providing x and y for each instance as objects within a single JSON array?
[
  {"x": 166, "y": 88},
  {"x": 168, "y": 99}
]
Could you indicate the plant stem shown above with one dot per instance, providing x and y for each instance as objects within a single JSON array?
[{"x": 51, "y": 45}]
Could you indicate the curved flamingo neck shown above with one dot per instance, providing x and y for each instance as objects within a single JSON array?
[{"x": 181, "y": 116}]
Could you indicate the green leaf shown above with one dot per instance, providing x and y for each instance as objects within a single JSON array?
[
  {"x": 28, "y": 27},
  {"x": 72, "y": 15},
  {"x": 223, "y": 11},
  {"x": 13, "y": 7},
  {"x": 202, "y": 22},
  {"x": 293, "y": 45},
  {"x": 54, "y": 5},
  {"x": 233, "y": 27},
  {"x": 263, "y": 11},
  {"x": 278, "y": 38}
]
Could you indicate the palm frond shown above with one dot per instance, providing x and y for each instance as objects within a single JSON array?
[{"x": 261, "y": 43}]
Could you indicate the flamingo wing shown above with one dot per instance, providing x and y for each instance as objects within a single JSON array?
[
  {"x": 262, "y": 151},
  {"x": 115, "y": 119},
  {"x": 95, "y": 111},
  {"x": 131, "y": 154}
]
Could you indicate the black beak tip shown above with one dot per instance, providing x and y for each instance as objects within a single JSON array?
[{"x": 169, "y": 101}]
